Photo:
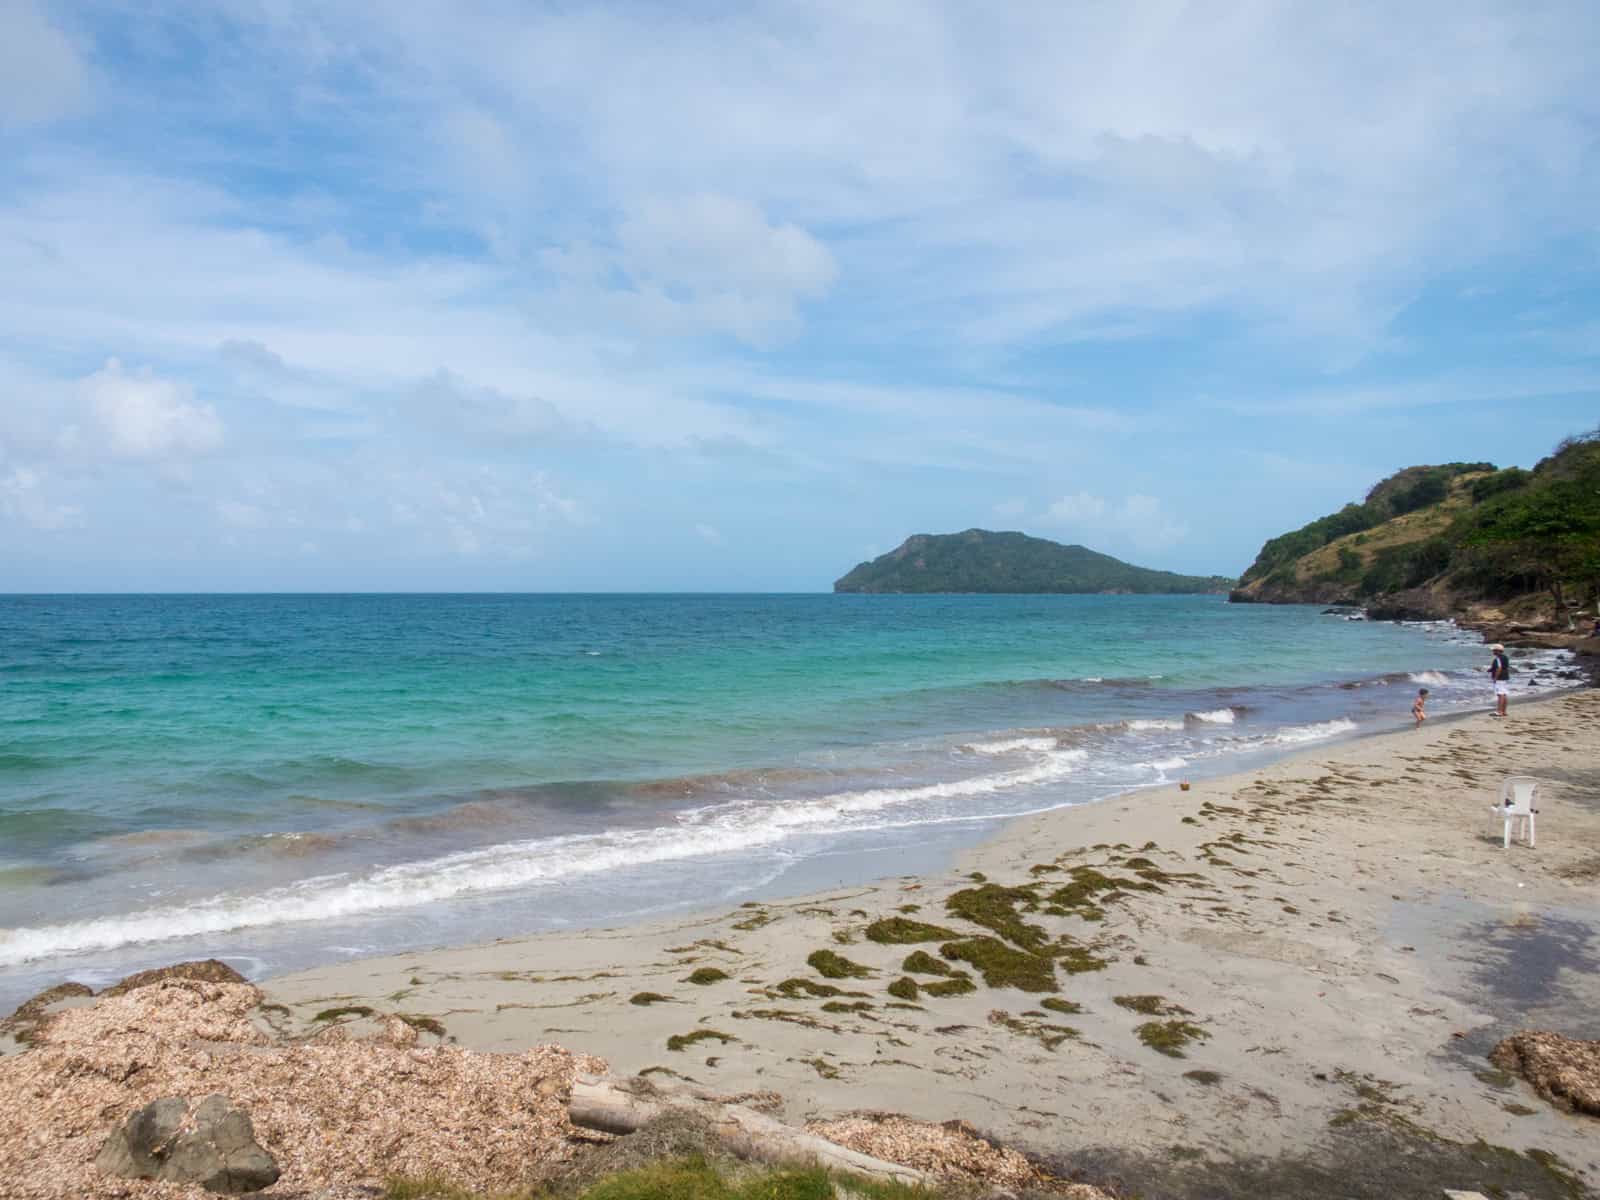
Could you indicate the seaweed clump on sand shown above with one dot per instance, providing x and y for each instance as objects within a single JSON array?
[
  {"x": 705, "y": 975},
  {"x": 995, "y": 908},
  {"x": 900, "y": 931},
  {"x": 1069, "y": 1007},
  {"x": 1150, "y": 1006},
  {"x": 904, "y": 988},
  {"x": 959, "y": 985},
  {"x": 1047, "y": 1035},
  {"x": 796, "y": 988},
  {"x": 835, "y": 966},
  {"x": 348, "y": 1010},
  {"x": 920, "y": 962},
  {"x": 1169, "y": 1037},
  {"x": 645, "y": 998},
  {"x": 1001, "y": 965},
  {"x": 682, "y": 1041}
]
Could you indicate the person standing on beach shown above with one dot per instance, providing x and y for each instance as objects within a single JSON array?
[
  {"x": 1500, "y": 673},
  {"x": 1418, "y": 706}
]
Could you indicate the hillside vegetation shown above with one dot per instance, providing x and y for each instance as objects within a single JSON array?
[
  {"x": 981, "y": 561},
  {"x": 1434, "y": 540}
]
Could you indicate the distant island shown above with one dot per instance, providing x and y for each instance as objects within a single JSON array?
[
  {"x": 1495, "y": 548},
  {"x": 979, "y": 560}
]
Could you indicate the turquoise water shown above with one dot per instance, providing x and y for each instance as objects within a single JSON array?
[{"x": 286, "y": 779}]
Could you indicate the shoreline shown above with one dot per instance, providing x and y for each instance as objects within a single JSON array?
[{"x": 1317, "y": 937}]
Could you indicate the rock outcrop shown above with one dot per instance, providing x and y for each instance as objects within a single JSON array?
[{"x": 212, "y": 1143}]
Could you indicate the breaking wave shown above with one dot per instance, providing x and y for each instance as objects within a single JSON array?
[{"x": 720, "y": 829}]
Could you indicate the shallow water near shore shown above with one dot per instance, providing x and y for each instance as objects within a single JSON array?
[{"x": 282, "y": 781}]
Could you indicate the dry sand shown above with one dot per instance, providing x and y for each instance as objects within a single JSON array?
[
  {"x": 1338, "y": 935},
  {"x": 1340, "y": 927}
]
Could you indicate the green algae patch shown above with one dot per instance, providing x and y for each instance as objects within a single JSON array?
[
  {"x": 682, "y": 1041},
  {"x": 349, "y": 1010},
  {"x": 645, "y": 998},
  {"x": 835, "y": 966},
  {"x": 920, "y": 962},
  {"x": 794, "y": 989},
  {"x": 755, "y": 920},
  {"x": 706, "y": 975},
  {"x": 900, "y": 931},
  {"x": 1001, "y": 965},
  {"x": 423, "y": 1024},
  {"x": 1065, "y": 1007},
  {"x": 787, "y": 1016},
  {"x": 1204, "y": 1078},
  {"x": 823, "y": 1068},
  {"x": 904, "y": 988},
  {"x": 995, "y": 908},
  {"x": 1047, "y": 1035},
  {"x": 1075, "y": 959},
  {"x": 847, "y": 1006},
  {"x": 959, "y": 985},
  {"x": 1150, "y": 1006},
  {"x": 1169, "y": 1037}
]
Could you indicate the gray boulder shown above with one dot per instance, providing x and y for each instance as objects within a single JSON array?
[{"x": 213, "y": 1145}]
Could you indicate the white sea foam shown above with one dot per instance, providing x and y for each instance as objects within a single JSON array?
[
  {"x": 1313, "y": 733},
  {"x": 735, "y": 827},
  {"x": 1169, "y": 723},
  {"x": 1216, "y": 716},
  {"x": 1012, "y": 745},
  {"x": 1430, "y": 678},
  {"x": 1166, "y": 764}
]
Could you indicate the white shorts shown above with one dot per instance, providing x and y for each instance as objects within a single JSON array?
[{"x": 1502, "y": 688}]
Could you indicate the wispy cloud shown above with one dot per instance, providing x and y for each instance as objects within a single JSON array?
[{"x": 418, "y": 286}]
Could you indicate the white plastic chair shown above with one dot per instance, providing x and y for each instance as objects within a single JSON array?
[{"x": 1519, "y": 799}]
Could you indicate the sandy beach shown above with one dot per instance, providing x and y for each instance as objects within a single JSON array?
[
  {"x": 1279, "y": 983},
  {"x": 1287, "y": 979}
]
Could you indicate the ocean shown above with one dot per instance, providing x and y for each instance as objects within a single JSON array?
[{"x": 281, "y": 781}]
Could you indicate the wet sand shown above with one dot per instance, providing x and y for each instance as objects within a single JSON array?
[{"x": 1324, "y": 948}]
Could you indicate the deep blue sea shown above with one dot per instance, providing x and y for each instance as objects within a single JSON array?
[{"x": 285, "y": 780}]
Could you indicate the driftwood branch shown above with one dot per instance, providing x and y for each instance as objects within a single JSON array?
[{"x": 599, "y": 1104}]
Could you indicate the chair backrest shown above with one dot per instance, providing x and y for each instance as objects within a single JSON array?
[{"x": 1519, "y": 792}]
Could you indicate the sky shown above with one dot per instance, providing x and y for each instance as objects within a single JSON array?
[{"x": 306, "y": 296}]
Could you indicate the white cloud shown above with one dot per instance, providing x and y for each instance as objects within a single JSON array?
[
  {"x": 42, "y": 76},
  {"x": 140, "y": 415},
  {"x": 698, "y": 262},
  {"x": 23, "y": 497},
  {"x": 1138, "y": 519}
]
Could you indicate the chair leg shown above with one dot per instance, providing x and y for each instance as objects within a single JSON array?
[
  {"x": 1508, "y": 832},
  {"x": 1531, "y": 842}
]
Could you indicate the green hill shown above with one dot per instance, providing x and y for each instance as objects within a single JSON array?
[
  {"x": 1436, "y": 541},
  {"x": 981, "y": 561}
]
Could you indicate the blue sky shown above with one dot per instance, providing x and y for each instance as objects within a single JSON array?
[{"x": 305, "y": 296}]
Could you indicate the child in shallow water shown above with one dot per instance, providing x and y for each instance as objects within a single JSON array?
[{"x": 1418, "y": 706}]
